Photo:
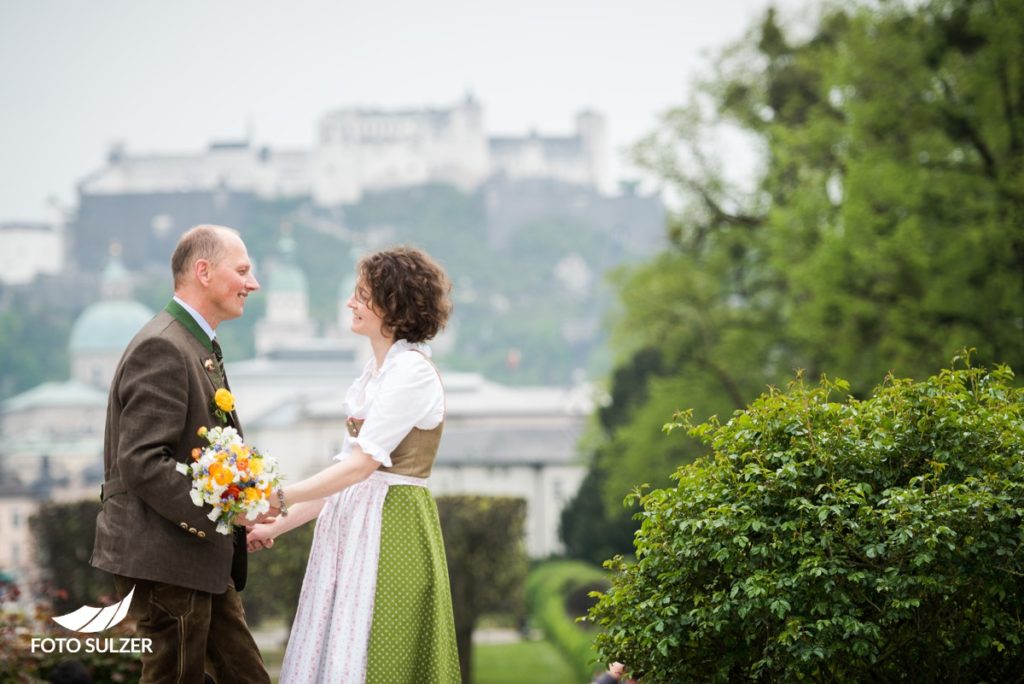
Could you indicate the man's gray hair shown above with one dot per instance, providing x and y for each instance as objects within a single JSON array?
[{"x": 200, "y": 242}]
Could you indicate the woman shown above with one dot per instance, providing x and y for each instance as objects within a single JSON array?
[{"x": 375, "y": 603}]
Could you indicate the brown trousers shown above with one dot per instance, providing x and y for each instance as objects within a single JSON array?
[{"x": 193, "y": 632}]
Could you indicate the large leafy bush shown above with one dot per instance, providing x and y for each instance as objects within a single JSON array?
[{"x": 824, "y": 540}]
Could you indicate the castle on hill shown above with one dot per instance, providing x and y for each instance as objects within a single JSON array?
[
  {"x": 145, "y": 201},
  {"x": 365, "y": 150}
]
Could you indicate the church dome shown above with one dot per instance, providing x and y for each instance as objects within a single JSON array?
[
  {"x": 287, "y": 278},
  {"x": 285, "y": 275},
  {"x": 108, "y": 325}
]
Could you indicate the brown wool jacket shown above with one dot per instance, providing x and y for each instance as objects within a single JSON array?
[{"x": 149, "y": 528}]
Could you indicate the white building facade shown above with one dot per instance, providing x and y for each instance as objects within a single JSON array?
[
  {"x": 223, "y": 166},
  {"x": 28, "y": 250},
  {"x": 498, "y": 440}
]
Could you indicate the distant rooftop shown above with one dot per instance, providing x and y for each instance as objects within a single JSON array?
[
  {"x": 56, "y": 394},
  {"x": 509, "y": 446},
  {"x": 27, "y": 225}
]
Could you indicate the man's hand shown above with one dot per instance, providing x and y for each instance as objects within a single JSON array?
[{"x": 264, "y": 518}]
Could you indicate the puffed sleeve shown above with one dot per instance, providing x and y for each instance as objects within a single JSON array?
[{"x": 408, "y": 394}]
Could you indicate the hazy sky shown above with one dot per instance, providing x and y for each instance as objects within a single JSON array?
[{"x": 78, "y": 75}]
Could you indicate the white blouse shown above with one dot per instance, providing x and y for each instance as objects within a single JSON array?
[{"x": 405, "y": 392}]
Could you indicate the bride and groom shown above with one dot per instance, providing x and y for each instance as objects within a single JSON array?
[{"x": 375, "y": 604}]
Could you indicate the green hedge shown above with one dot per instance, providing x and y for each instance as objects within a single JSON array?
[{"x": 548, "y": 588}]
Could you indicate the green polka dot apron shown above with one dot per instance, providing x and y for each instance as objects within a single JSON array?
[{"x": 376, "y": 605}]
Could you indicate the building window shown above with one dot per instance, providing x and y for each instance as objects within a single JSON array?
[{"x": 16, "y": 519}]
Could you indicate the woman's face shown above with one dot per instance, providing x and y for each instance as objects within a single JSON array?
[{"x": 364, "y": 320}]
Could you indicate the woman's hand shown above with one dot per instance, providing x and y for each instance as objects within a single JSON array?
[{"x": 259, "y": 537}]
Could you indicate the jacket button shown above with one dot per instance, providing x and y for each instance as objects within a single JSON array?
[
  {"x": 202, "y": 535},
  {"x": 191, "y": 530},
  {"x": 184, "y": 526}
]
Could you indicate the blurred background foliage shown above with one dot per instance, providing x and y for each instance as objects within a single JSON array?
[{"x": 884, "y": 232}]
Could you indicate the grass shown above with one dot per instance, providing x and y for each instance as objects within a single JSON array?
[{"x": 537, "y": 662}]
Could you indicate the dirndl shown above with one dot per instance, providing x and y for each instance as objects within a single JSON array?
[{"x": 375, "y": 605}]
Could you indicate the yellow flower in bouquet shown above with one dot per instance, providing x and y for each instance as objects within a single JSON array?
[{"x": 233, "y": 478}]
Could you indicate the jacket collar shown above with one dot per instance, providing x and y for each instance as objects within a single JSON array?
[{"x": 185, "y": 318}]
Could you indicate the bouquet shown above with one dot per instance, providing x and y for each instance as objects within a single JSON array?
[{"x": 232, "y": 477}]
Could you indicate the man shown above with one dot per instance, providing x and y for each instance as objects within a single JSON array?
[
  {"x": 149, "y": 533},
  {"x": 614, "y": 674}
]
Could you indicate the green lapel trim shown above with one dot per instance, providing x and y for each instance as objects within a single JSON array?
[{"x": 185, "y": 318}]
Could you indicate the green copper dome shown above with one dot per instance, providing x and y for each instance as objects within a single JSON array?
[
  {"x": 287, "y": 277},
  {"x": 108, "y": 326}
]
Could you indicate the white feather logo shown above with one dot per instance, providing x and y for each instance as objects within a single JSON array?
[{"x": 88, "y": 619}]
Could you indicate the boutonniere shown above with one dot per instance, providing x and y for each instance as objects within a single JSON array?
[
  {"x": 223, "y": 404},
  {"x": 210, "y": 365}
]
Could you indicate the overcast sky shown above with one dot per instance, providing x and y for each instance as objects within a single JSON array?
[{"x": 78, "y": 75}]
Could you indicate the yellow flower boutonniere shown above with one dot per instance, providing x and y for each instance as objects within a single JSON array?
[{"x": 223, "y": 404}]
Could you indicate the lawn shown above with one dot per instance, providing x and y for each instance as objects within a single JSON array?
[{"x": 537, "y": 662}]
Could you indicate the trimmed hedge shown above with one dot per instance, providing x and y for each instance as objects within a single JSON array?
[{"x": 549, "y": 588}]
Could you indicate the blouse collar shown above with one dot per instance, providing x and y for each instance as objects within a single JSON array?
[{"x": 396, "y": 348}]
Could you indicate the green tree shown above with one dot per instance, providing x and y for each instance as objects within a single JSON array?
[
  {"x": 487, "y": 564},
  {"x": 33, "y": 344},
  {"x": 885, "y": 229},
  {"x": 824, "y": 540},
  {"x": 896, "y": 172},
  {"x": 591, "y": 528}
]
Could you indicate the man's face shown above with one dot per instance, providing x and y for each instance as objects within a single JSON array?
[
  {"x": 617, "y": 669},
  {"x": 229, "y": 281}
]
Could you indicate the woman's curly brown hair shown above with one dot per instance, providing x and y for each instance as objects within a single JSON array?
[{"x": 408, "y": 290}]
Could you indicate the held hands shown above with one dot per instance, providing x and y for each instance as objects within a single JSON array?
[
  {"x": 260, "y": 534},
  {"x": 259, "y": 537},
  {"x": 265, "y": 518}
]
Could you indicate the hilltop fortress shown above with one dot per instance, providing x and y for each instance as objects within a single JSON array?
[
  {"x": 145, "y": 201},
  {"x": 365, "y": 150}
]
